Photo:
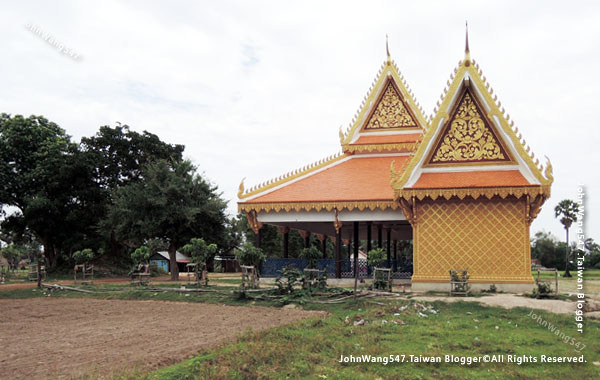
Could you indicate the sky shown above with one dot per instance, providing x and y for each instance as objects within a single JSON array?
[{"x": 257, "y": 88}]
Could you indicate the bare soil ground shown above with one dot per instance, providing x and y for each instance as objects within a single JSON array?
[{"x": 70, "y": 338}]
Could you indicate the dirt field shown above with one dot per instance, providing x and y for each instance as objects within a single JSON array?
[{"x": 65, "y": 338}]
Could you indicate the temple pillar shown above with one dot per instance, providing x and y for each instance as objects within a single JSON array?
[
  {"x": 369, "y": 236},
  {"x": 388, "y": 248},
  {"x": 323, "y": 239},
  {"x": 379, "y": 236},
  {"x": 338, "y": 253},
  {"x": 285, "y": 232},
  {"x": 306, "y": 236},
  {"x": 395, "y": 255},
  {"x": 356, "y": 243}
]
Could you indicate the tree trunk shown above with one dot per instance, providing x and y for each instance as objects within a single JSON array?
[
  {"x": 49, "y": 252},
  {"x": 567, "y": 273},
  {"x": 173, "y": 262}
]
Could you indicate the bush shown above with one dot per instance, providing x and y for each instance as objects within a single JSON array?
[
  {"x": 141, "y": 255},
  {"x": 376, "y": 257},
  {"x": 250, "y": 255},
  {"x": 84, "y": 256},
  {"x": 311, "y": 254},
  {"x": 199, "y": 251},
  {"x": 543, "y": 290}
]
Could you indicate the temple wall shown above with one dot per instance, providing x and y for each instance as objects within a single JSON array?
[{"x": 489, "y": 238}]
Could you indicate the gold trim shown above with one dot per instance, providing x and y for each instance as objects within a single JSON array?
[
  {"x": 317, "y": 206},
  {"x": 475, "y": 192},
  {"x": 495, "y": 110},
  {"x": 390, "y": 94},
  {"x": 373, "y": 94},
  {"x": 447, "y": 125},
  {"x": 290, "y": 176},
  {"x": 357, "y": 148}
]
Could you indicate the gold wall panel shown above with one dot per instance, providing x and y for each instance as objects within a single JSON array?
[{"x": 488, "y": 237}]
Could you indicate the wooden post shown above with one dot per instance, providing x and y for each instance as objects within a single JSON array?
[
  {"x": 338, "y": 253},
  {"x": 369, "y": 236},
  {"x": 307, "y": 240},
  {"x": 379, "y": 236},
  {"x": 39, "y": 273},
  {"x": 388, "y": 248},
  {"x": 349, "y": 245},
  {"x": 356, "y": 242}
]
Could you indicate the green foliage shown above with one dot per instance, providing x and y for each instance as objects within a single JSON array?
[
  {"x": 311, "y": 254},
  {"x": 567, "y": 210},
  {"x": 49, "y": 182},
  {"x": 548, "y": 250},
  {"x": 288, "y": 278},
  {"x": 376, "y": 257},
  {"x": 171, "y": 203},
  {"x": 543, "y": 290},
  {"x": 141, "y": 255},
  {"x": 84, "y": 256},
  {"x": 250, "y": 255},
  {"x": 199, "y": 251}
]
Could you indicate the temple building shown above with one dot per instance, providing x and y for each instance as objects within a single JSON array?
[{"x": 462, "y": 185}]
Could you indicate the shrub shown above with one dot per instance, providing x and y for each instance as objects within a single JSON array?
[
  {"x": 250, "y": 255},
  {"x": 311, "y": 254},
  {"x": 376, "y": 257},
  {"x": 199, "y": 251},
  {"x": 84, "y": 256},
  {"x": 141, "y": 255},
  {"x": 543, "y": 290}
]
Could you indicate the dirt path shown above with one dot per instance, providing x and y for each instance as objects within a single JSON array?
[
  {"x": 64, "y": 338},
  {"x": 510, "y": 301}
]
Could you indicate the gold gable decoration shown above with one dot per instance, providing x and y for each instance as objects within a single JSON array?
[
  {"x": 468, "y": 137},
  {"x": 390, "y": 112}
]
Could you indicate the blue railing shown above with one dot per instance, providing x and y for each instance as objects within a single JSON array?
[{"x": 272, "y": 267}]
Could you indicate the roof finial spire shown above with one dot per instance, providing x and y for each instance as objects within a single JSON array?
[
  {"x": 467, "y": 38},
  {"x": 387, "y": 48},
  {"x": 467, "y": 51}
]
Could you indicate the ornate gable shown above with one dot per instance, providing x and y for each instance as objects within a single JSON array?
[
  {"x": 390, "y": 112},
  {"x": 468, "y": 137}
]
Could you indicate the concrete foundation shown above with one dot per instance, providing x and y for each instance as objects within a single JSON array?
[{"x": 475, "y": 287}]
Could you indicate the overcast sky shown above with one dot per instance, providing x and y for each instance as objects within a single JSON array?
[{"x": 254, "y": 89}]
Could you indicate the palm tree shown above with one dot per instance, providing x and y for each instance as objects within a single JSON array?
[{"x": 567, "y": 210}]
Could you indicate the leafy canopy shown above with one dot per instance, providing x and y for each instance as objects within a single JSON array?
[{"x": 199, "y": 251}]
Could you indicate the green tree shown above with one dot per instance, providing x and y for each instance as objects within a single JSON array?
[
  {"x": 49, "y": 182},
  {"x": 84, "y": 256},
  {"x": 546, "y": 248},
  {"x": 141, "y": 255},
  {"x": 376, "y": 257},
  {"x": 199, "y": 251},
  {"x": 567, "y": 211},
  {"x": 311, "y": 254},
  {"x": 248, "y": 254},
  {"x": 172, "y": 203},
  {"x": 117, "y": 156}
]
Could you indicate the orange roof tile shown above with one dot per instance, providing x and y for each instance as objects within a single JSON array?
[
  {"x": 358, "y": 179},
  {"x": 388, "y": 139},
  {"x": 494, "y": 178}
]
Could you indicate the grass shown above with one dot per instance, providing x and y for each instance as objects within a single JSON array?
[{"x": 311, "y": 348}]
